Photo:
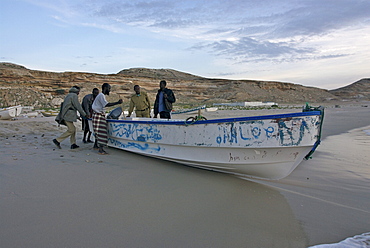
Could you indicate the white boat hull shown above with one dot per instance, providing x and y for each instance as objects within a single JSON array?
[
  {"x": 6, "y": 114},
  {"x": 11, "y": 112},
  {"x": 268, "y": 147},
  {"x": 31, "y": 114}
]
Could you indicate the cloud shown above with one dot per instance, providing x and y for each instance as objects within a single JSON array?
[
  {"x": 139, "y": 13},
  {"x": 238, "y": 28},
  {"x": 248, "y": 18},
  {"x": 250, "y": 49},
  {"x": 240, "y": 31},
  {"x": 84, "y": 57},
  {"x": 320, "y": 17}
]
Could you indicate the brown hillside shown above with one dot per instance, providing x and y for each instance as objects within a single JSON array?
[
  {"x": 158, "y": 74},
  {"x": 359, "y": 90},
  {"x": 47, "y": 89}
]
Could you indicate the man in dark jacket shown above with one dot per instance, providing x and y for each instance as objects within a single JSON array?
[
  {"x": 87, "y": 102},
  {"x": 163, "y": 101}
]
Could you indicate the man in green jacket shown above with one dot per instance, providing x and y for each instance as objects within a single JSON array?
[
  {"x": 69, "y": 114},
  {"x": 139, "y": 101}
]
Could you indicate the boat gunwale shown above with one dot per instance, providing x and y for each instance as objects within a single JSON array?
[{"x": 222, "y": 120}]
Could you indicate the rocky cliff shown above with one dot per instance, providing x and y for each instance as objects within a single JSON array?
[
  {"x": 42, "y": 89},
  {"x": 359, "y": 90}
]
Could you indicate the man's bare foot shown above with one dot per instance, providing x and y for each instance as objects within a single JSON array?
[{"x": 102, "y": 152}]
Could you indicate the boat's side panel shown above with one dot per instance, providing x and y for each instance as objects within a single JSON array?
[
  {"x": 271, "y": 163},
  {"x": 266, "y": 148},
  {"x": 298, "y": 131}
]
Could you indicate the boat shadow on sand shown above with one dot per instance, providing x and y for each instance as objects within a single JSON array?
[{"x": 202, "y": 208}]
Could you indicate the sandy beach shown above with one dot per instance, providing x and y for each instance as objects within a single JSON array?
[{"x": 53, "y": 197}]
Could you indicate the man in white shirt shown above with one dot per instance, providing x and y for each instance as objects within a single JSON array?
[{"x": 99, "y": 120}]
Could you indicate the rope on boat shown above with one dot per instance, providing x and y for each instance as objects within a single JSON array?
[
  {"x": 194, "y": 119},
  {"x": 308, "y": 108},
  {"x": 198, "y": 117}
]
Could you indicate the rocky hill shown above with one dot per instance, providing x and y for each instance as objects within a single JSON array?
[
  {"x": 158, "y": 74},
  {"x": 359, "y": 90},
  {"x": 42, "y": 89}
]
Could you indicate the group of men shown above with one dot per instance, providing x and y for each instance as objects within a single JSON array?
[
  {"x": 162, "y": 105},
  {"x": 93, "y": 106}
]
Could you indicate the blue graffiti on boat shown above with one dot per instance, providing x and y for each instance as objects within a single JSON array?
[
  {"x": 228, "y": 134},
  {"x": 135, "y": 132},
  {"x": 286, "y": 131},
  {"x": 292, "y": 134},
  {"x": 252, "y": 132},
  {"x": 139, "y": 146}
]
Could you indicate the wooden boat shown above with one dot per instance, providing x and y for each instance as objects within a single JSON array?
[
  {"x": 7, "y": 113},
  {"x": 49, "y": 113},
  {"x": 10, "y": 112},
  {"x": 268, "y": 147}
]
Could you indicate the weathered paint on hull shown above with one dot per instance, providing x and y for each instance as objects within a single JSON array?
[{"x": 265, "y": 147}]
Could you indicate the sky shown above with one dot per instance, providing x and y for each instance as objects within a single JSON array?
[{"x": 319, "y": 43}]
